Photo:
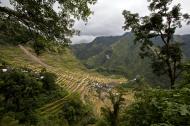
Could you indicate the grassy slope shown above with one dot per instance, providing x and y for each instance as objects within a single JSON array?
[
  {"x": 15, "y": 56},
  {"x": 91, "y": 49},
  {"x": 65, "y": 61},
  {"x": 71, "y": 74}
]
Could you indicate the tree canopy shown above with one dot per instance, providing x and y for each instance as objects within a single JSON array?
[
  {"x": 162, "y": 22},
  {"x": 52, "y": 19}
]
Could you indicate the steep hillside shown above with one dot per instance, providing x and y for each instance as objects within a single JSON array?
[
  {"x": 121, "y": 57},
  {"x": 71, "y": 74},
  {"x": 91, "y": 49},
  {"x": 186, "y": 44}
]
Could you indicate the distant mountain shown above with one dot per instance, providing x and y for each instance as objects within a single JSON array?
[
  {"x": 119, "y": 55},
  {"x": 93, "y": 48},
  {"x": 185, "y": 39}
]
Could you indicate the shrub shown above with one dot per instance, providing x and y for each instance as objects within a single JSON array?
[
  {"x": 76, "y": 113},
  {"x": 158, "y": 107},
  {"x": 23, "y": 91}
]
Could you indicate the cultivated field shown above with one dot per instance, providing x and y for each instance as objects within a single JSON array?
[{"x": 71, "y": 75}]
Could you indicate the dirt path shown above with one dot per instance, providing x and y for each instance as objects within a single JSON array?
[
  {"x": 33, "y": 57},
  {"x": 82, "y": 87}
]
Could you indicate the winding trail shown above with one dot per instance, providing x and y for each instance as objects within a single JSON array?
[
  {"x": 34, "y": 58},
  {"x": 56, "y": 105},
  {"x": 72, "y": 81}
]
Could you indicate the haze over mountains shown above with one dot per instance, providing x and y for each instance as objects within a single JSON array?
[{"x": 119, "y": 55}]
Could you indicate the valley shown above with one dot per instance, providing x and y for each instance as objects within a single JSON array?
[
  {"x": 75, "y": 78},
  {"x": 94, "y": 63},
  {"x": 120, "y": 56}
]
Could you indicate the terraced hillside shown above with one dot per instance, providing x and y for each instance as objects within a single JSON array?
[{"x": 70, "y": 74}]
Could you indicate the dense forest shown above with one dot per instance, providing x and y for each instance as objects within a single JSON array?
[{"x": 141, "y": 78}]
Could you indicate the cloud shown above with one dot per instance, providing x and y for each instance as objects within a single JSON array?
[
  {"x": 108, "y": 19},
  {"x": 5, "y": 3},
  {"x": 82, "y": 39}
]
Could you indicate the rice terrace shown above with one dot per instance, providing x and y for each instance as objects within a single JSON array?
[{"x": 94, "y": 63}]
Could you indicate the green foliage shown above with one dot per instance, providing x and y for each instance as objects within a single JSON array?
[
  {"x": 86, "y": 50},
  {"x": 186, "y": 76},
  {"x": 137, "y": 84},
  {"x": 124, "y": 59},
  {"x": 154, "y": 106},
  {"x": 19, "y": 91},
  {"x": 53, "y": 120},
  {"x": 8, "y": 121},
  {"x": 23, "y": 91},
  {"x": 48, "y": 80},
  {"x": 3, "y": 63},
  {"x": 55, "y": 47},
  {"x": 162, "y": 22},
  {"x": 75, "y": 113},
  {"x": 39, "y": 45},
  {"x": 111, "y": 115},
  {"x": 158, "y": 107},
  {"x": 13, "y": 32},
  {"x": 39, "y": 16},
  {"x": 102, "y": 122}
]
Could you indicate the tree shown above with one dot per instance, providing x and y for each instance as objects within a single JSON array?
[
  {"x": 159, "y": 107},
  {"x": 22, "y": 92},
  {"x": 111, "y": 114},
  {"x": 19, "y": 92},
  {"x": 40, "y": 18},
  {"x": 13, "y": 33},
  {"x": 48, "y": 80},
  {"x": 162, "y": 23},
  {"x": 75, "y": 113}
]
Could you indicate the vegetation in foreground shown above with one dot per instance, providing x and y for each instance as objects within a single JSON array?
[
  {"x": 23, "y": 91},
  {"x": 151, "y": 107}
]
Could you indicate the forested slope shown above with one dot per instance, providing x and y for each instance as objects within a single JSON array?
[{"x": 122, "y": 57}]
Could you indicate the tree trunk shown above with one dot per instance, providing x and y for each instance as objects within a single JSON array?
[{"x": 172, "y": 82}]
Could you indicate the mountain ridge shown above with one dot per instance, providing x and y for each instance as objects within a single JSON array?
[{"x": 121, "y": 57}]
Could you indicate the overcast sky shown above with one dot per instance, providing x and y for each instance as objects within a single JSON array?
[{"x": 108, "y": 19}]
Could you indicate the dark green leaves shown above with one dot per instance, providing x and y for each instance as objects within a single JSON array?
[
  {"x": 41, "y": 17},
  {"x": 131, "y": 20},
  {"x": 156, "y": 5},
  {"x": 176, "y": 12},
  {"x": 158, "y": 107},
  {"x": 156, "y": 20},
  {"x": 22, "y": 91},
  {"x": 162, "y": 22}
]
